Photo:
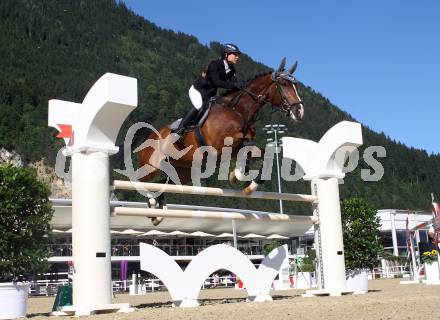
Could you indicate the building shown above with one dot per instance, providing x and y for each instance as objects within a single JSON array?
[{"x": 394, "y": 225}]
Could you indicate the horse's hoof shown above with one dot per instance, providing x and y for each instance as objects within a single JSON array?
[
  {"x": 250, "y": 188},
  {"x": 156, "y": 220}
]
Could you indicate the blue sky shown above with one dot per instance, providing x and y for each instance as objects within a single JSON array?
[{"x": 377, "y": 60}]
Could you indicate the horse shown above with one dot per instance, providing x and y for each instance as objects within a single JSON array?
[{"x": 231, "y": 116}]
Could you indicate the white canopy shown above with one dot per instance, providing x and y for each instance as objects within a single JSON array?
[
  {"x": 153, "y": 233},
  {"x": 62, "y": 220},
  {"x": 276, "y": 236},
  {"x": 225, "y": 235},
  {"x": 178, "y": 233},
  {"x": 130, "y": 232},
  {"x": 201, "y": 234},
  {"x": 253, "y": 236}
]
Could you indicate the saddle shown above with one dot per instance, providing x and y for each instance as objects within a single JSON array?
[{"x": 199, "y": 119}]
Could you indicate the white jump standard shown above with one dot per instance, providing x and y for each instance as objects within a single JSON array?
[{"x": 92, "y": 128}]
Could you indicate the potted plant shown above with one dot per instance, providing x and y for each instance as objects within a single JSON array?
[
  {"x": 362, "y": 247},
  {"x": 25, "y": 214},
  {"x": 430, "y": 262}
]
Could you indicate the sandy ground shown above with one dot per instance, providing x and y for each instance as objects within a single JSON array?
[{"x": 386, "y": 299}]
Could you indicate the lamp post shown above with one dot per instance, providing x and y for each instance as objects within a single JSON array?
[{"x": 276, "y": 129}]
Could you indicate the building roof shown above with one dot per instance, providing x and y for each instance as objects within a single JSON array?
[
  {"x": 400, "y": 216},
  {"x": 62, "y": 220}
]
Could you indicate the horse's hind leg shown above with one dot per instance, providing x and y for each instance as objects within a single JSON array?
[
  {"x": 184, "y": 177},
  {"x": 159, "y": 203}
]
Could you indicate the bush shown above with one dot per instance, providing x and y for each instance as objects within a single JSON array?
[
  {"x": 361, "y": 234},
  {"x": 25, "y": 215},
  {"x": 399, "y": 260},
  {"x": 307, "y": 264}
]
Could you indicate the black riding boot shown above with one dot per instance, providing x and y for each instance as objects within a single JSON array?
[{"x": 185, "y": 121}]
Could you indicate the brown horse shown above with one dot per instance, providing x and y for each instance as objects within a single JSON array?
[{"x": 230, "y": 116}]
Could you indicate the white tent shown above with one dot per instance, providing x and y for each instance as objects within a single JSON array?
[
  {"x": 253, "y": 236},
  {"x": 153, "y": 233},
  {"x": 201, "y": 234},
  {"x": 277, "y": 236},
  {"x": 225, "y": 235},
  {"x": 131, "y": 232},
  {"x": 178, "y": 233}
]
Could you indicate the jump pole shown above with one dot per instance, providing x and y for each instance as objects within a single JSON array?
[
  {"x": 208, "y": 191},
  {"x": 221, "y": 215}
]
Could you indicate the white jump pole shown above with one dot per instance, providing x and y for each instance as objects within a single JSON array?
[
  {"x": 200, "y": 214},
  {"x": 90, "y": 130},
  {"x": 209, "y": 191},
  {"x": 323, "y": 166}
]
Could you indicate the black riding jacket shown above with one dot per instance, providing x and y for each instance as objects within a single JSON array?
[{"x": 216, "y": 77}]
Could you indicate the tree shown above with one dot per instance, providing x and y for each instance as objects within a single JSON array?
[
  {"x": 361, "y": 234},
  {"x": 270, "y": 246},
  {"x": 25, "y": 215}
]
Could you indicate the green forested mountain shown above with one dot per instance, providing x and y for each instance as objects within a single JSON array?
[{"x": 58, "y": 49}]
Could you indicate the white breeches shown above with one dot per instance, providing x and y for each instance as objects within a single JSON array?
[{"x": 195, "y": 97}]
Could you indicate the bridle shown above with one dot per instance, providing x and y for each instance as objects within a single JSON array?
[{"x": 286, "y": 107}]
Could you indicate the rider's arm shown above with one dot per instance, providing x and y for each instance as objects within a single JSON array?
[{"x": 214, "y": 74}]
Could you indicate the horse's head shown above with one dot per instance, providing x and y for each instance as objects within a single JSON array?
[{"x": 283, "y": 92}]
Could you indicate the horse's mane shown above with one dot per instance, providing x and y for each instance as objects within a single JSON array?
[
  {"x": 261, "y": 74},
  {"x": 258, "y": 75}
]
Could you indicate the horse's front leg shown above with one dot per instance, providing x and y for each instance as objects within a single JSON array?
[
  {"x": 243, "y": 173},
  {"x": 252, "y": 185}
]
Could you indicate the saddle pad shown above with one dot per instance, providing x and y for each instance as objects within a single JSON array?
[{"x": 175, "y": 124}]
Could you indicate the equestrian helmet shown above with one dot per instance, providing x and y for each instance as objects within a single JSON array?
[{"x": 229, "y": 48}]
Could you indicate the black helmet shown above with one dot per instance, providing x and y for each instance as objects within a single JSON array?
[{"x": 228, "y": 48}]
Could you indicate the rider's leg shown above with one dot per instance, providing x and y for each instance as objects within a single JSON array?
[{"x": 197, "y": 101}]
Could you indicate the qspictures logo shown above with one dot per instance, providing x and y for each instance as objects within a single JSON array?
[{"x": 164, "y": 151}]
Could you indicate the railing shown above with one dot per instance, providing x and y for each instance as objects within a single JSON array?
[
  {"x": 389, "y": 272},
  {"x": 50, "y": 287},
  {"x": 119, "y": 250}
]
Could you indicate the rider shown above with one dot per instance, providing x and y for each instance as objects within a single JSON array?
[{"x": 220, "y": 73}]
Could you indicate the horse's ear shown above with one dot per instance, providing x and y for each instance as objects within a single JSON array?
[
  {"x": 293, "y": 68},
  {"x": 282, "y": 65}
]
